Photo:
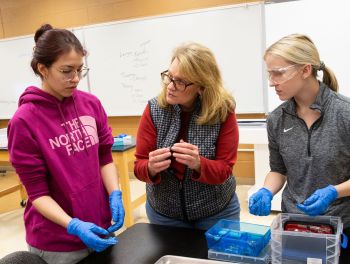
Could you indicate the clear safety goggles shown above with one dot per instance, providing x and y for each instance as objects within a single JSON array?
[{"x": 282, "y": 75}]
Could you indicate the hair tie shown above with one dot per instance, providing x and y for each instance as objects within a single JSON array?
[{"x": 322, "y": 66}]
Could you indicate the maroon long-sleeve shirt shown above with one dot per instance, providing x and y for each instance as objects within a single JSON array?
[{"x": 212, "y": 171}]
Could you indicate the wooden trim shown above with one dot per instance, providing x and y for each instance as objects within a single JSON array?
[
  {"x": 10, "y": 189},
  {"x": 251, "y": 116},
  {"x": 20, "y": 17}
]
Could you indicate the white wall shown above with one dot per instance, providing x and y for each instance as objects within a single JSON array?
[{"x": 327, "y": 22}]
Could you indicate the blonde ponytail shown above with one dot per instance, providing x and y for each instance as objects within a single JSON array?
[
  {"x": 300, "y": 49},
  {"x": 329, "y": 79}
]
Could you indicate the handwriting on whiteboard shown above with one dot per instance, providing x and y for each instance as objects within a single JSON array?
[{"x": 135, "y": 61}]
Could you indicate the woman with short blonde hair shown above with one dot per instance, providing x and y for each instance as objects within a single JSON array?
[
  {"x": 198, "y": 64},
  {"x": 187, "y": 144}
]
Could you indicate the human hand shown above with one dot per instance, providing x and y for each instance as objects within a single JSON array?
[
  {"x": 187, "y": 154},
  {"x": 158, "y": 160},
  {"x": 319, "y": 201},
  {"x": 260, "y": 202},
  {"x": 89, "y": 234},
  {"x": 117, "y": 209}
]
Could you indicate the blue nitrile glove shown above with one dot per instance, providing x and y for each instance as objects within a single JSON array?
[
  {"x": 89, "y": 234},
  {"x": 319, "y": 201},
  {"x": 260, "y": 202},
  {"x": 118, "y": 213}
]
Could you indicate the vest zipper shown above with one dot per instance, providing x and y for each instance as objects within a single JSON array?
[
  {"x": 182, "y": 199},
  {"x": 182, "y": 192}
]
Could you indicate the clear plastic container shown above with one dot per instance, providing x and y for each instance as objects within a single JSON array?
[
  {"x": 263, "y": 258},
  {"x": 293, "y": 247},
  {"x": 118, "y": 141},
  {"x": 170, "y": 259},
  {"x": 238, "y": 238}
]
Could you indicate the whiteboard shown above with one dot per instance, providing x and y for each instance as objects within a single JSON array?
[
  {"x": 126, "y": 58},
  {"x": 325, "y": 22},
  {"x": 84, "y": 83},
  {"x": 16, "y": 73}
]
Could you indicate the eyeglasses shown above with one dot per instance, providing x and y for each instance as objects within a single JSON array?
[
  {"x": 179, "y": 85},
  {"x": 69, "y": 74},
  {"x": 281, "y": 75}
]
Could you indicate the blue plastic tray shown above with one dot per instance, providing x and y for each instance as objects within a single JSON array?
[{"x": 238, "y": 238}]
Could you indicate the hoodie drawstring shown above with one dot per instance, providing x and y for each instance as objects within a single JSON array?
[
  {"x": 80, "y": 124},
  {"x": 65, "y": 126}
]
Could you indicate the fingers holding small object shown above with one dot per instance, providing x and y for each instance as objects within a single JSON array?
[
  {"x": 185, "y": 148},
  {"x": 159, "y": 154},
  {"x": 185, "y": 152},
  {"x": 159, "y": 160}
]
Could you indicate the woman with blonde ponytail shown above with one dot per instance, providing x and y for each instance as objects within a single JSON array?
[{"x": 309, "y": 136}]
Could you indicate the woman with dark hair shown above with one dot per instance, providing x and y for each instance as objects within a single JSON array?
[{"x": 60, "y": 145}]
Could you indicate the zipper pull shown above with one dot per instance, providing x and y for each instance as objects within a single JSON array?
[{"x": 180, "y": 185}]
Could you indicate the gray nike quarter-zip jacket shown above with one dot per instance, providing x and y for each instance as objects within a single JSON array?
[{"x": 312, "y": 158}]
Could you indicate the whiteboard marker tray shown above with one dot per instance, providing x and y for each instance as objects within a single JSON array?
[{"x": 169, "y": 259}]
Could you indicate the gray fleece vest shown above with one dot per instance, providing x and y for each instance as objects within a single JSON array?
[{"x": 186, "y": 200}]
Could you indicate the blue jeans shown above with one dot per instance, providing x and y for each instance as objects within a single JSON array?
[{"x": 231, "y": 212}]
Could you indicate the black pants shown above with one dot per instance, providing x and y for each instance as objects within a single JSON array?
[{"x": 345, "y": 253}]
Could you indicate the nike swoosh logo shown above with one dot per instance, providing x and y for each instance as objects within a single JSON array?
[{"x": 286, "y": 130}]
